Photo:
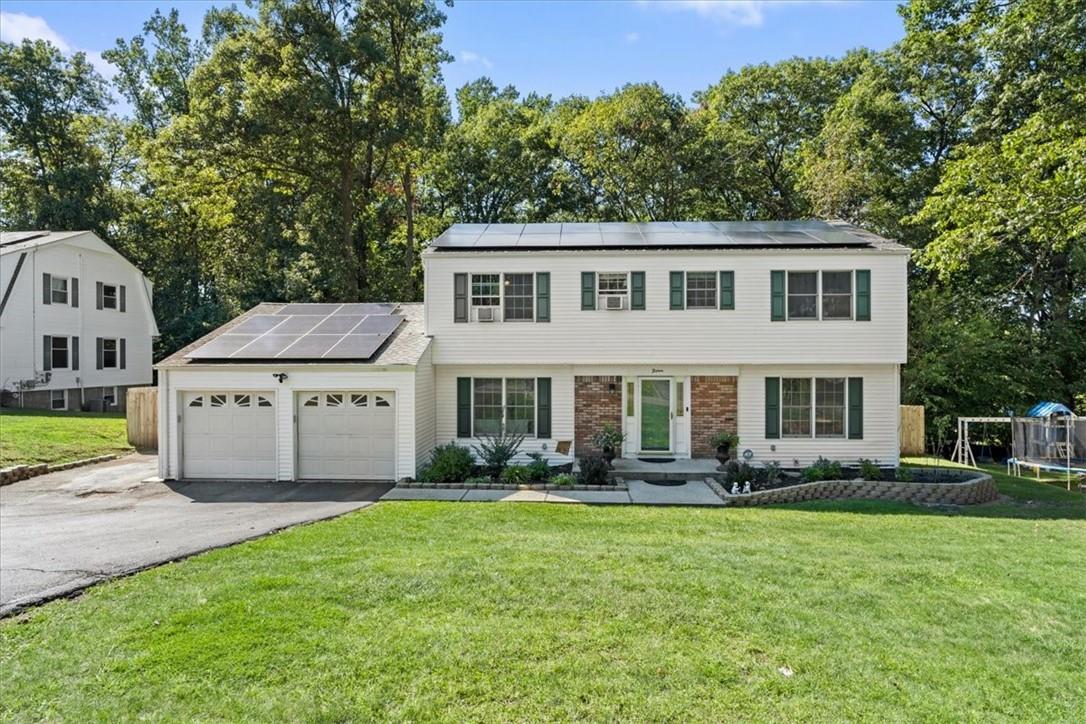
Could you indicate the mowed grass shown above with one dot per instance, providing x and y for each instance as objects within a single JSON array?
[
  {"x": 490, "y": 611},
  {"x": 42, "y": 436}
]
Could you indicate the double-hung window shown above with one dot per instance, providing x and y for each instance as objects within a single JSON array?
[
  {"x": 58, "y": 290},
  {"x": 503, "y": 405},
  {"x": 519, "y": 298},
  {"x": 520, "y": 406},
  {"x": 612, "y": 283},
  {"x": 109, "y": 354},
  {"x": 485, "y": 290},
  {"x": 813, "y": 407},
  {"x": 109, "y": 296},
  {"x": 837, "y": 295},
  {"x": 829, "y": 407},
  {"x": 701, "y": 290},
  {"x": 796, "y": 407},
  {"x": 820, "y": 295},
  {"x": 59, "y": 352},
  {"x": 803, "y": 295},
  {"x": 58, "y": 399}
]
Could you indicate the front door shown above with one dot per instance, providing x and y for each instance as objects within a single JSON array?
[{"x": 655, "y": 414}]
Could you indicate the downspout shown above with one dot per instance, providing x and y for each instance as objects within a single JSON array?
[{"x": 83, "y": 338}]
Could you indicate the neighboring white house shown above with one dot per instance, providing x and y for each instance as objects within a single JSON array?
[
  {"x": 76, "y": 324},
  {"x": 789, "y": 333}
]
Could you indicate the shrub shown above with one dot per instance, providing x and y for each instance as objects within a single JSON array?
[
  {"x": 739, "y": 471},
  {"x": 564, "y": 479},
  {"x": 869, "y": 470},
  {"x": 593, "y": 470},
  {"x": 769, "y": 475},
  {"x": 497, "y": 450},
  {"x": 822, "y": 469},
  {"x": 608, "y": 436},
  {"x": 539, "y": 469},
  {"x": 449, "y": 463},
  {"x": 905, "y": 475},
  {"x": 516, "y": 475},
  {"x": 479, "y": 480}
]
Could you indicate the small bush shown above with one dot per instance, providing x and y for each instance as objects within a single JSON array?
[
  {"x": 869, "y": 470},
  {"x": 516, "y": 475},
  {"x": 449, "y": 463},
  {"x": 538, "y": 469},
  {"x": 479, "y": 480},
  {"x": 593, "y": 471},
  {"x": 564, "y": 479},
  {"x": 822, "y": 469},
  {"x": 905, "y": 475},
  {"x": 769, "y": 475},
  {"x": 721, "y": 439},
  {"x": 497, "y": 450},
  {"x": 739, "y": 471}
]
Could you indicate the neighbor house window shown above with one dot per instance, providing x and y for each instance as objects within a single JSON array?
[
  {"x": 487, "y": 406},
  {"x": 837, "y": 295},
  {"x": 109, "y": 397},
  {"x": 58, "y": 399},
  {"x": 109, "y": 296},
  {"x": 701, "y": 290},
  {"x": 485, "y": 290},
  {"x": 612, "y": 283},
  {"x": 830, "y": 407},
  {"x": 796, "y": 407},
  {"x": 59, "y": 352},
  {"x": 520, "y": 406},
  {"x": 803, "y": 295},
  {"x": 519, "y": 299},
  {"x": 109, "y": 354},
  {"x": 58, "y": 290}
]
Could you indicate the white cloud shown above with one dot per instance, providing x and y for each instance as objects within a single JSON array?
[
  {"x": 745, "y": 13},
  {"x": 632, "y": 38},
  {"x": 17, "y": 27},
  {"x": 468, "y": 57}
]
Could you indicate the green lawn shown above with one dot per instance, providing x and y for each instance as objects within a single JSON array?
[
  {"x": 457, "y": 611},
  {"x": 41, "y": 436}
]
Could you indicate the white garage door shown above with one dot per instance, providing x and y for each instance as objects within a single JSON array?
[
  {"x": 348, "y": 435},
  {"x": 228, "y": 435}
]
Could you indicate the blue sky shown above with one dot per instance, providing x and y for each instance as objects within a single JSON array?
[{"x": 558, "y": 47}]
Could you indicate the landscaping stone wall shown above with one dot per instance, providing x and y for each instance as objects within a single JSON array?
[
  {"x": 22, "y": 472},
  {"x": 712, "y": 410},
  {"x": 978, "y": 489},
  {"x": 595, "y": 404}
]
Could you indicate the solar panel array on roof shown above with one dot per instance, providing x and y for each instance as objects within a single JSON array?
[
  {"x": 306, "y": 331},
  {"x": 653, "y": 234}
]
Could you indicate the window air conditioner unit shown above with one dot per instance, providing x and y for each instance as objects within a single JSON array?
[
  {"x": 614, "y": 301},
  {"x": 484, "y": 314}
]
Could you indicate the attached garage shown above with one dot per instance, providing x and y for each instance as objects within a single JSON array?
[
  {"x": 228, "y": 434},
  {"x": 346, "y": 435}
]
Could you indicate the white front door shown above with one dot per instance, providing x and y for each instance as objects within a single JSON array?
[
  {"x": 346, "y": 435},
  {"x": 228, "y": 434}
]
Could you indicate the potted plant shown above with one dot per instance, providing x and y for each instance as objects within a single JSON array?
[
  {"x": 724, "y": 442},
  {"x": 609, "y": 441}
]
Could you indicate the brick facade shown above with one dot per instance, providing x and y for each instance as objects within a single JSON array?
[
  {"x": 712, "y": 410},
  {"x": 597, "y": 401}
]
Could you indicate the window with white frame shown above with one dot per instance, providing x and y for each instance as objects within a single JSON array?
[
  {"x": 485, "y": 290},
  {"x": 503, "y": 405},
  {"x": 58, "y": 290},
  {"x": 796, "y": 407},
  {"x": 519, "y": 298},
  {"x": 109, "y": 354},
  {"x": 803, "y": 295},
  {"x": 58, "y": 399},
  {"x": 814, "y": 407},
  {"x": 701, "y": 290},
  {"x": 611, "y": 283},
  {"x": 58, "y": 352},
  {"x": 109, "y": 296},
  {"x": 829, "y": 407},
  {"x": 109, "y": 397},
  {"x": 837, "y": 295}
]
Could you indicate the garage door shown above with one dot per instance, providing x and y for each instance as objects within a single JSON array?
[
  {"x": 228, "y": 435},
  {"x": 347, "y": 435}
]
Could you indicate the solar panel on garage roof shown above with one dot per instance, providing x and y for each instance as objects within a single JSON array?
[
  {"x": 652, "y": 234},
  {"x": 306, "y": 331}
]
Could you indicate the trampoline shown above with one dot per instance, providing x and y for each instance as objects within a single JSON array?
[{"x": 1054, "y": 443}]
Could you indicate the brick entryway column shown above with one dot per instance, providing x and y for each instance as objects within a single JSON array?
[
  {"x": 595, "y": 404},
  {"x": 712, "y": 410}
]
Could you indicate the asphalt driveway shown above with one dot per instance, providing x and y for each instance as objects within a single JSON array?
[{"x": 62, "y": 532}]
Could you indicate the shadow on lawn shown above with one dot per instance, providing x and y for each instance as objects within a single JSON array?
[{"x": 234, "y": 491}]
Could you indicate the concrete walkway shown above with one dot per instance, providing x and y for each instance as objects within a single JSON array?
[{"x": 692, "y": 492}]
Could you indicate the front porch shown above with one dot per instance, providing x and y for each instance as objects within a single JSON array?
[{"x": 632, "y": 468}]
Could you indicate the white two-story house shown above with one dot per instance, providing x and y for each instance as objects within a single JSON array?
[
  {"x": 790, "y": 334},
  {"x": 76, "y": 324}
]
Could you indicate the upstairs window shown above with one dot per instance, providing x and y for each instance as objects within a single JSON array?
[
  {"x": 803, "y": 295},
  {"x": 612, "y": 283},
  {"x": 485, "y": 290},
  {"x": 109, "y": 296},
  {"x": 58, "y": 291},
  {"x": 519, "y": 298},
  {"x": 701, "y": 290},
  {"x": 837, "y": 295}
]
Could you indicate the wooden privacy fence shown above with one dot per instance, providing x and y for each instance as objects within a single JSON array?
[
  {"x": 143, "y": 417},
  {"x": 912, "y": 429}
]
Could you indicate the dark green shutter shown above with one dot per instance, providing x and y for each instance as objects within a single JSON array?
[
  {"x": 637, "y": 290},
  {"x": 98, "y": 295},
  {"x": 460, "y": 297},
  {"x": 74, "y": 362},
  {"x": 863, "y": 295},
  {"x": 47, "y": 352},
  {"x": 772, "y": 408},
  {"x": 727, "y": 290},
  {"x": 121, "y": 302},
  {"x": 543, "y": 296},
  {"x": 73, "y": 292},
  {"x": 678, "y": 291},
  {"x": 463, "y": 407},
  {"x": 776, "y": 291},
  {"x": 122, "y": 352},
  {"x": 46, "y": 288},
  {"x": 99, "y": 350},
  {"x": 855, "y": 408},
  {"x": 543, "y": 407},
  {"x": 588, "y": 290}
]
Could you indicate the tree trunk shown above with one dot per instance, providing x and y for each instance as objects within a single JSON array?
[
  {"x": 409, "y": 242},
  {"x": 353, "y": 275}
]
